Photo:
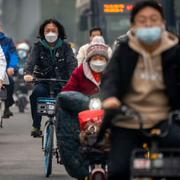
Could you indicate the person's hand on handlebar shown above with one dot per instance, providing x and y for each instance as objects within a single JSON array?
[
  {"x": 111, "y": 103},
  {"x": 28, "y": 78},
  {"x": 10, "y": 71}
]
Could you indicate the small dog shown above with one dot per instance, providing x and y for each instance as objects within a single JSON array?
[{"x": 91, "y": 130}]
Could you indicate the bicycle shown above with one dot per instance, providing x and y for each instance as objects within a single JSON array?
[
  {"x": 3, "y": 96},
  {"x": 96, "y": 154},
  {"x": 46, "y": 107},
  {"x": 153, "y": 162},
  {"x": 149, "y": 162}
]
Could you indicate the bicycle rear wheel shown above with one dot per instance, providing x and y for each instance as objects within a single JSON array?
[{"x": 48, "y": 150}]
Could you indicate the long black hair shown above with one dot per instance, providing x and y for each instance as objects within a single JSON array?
[{"x": 61, "y": 30}]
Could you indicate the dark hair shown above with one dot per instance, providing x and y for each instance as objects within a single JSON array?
[
  {"x": 61, "y": 30},
  {"x": 143, "y": 4},
  {"x": 95, "y": 29}
]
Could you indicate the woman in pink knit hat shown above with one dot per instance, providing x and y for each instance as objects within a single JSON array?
[
  {"x": 87, "y": 77},
  {"x": 84, "y": 81}
]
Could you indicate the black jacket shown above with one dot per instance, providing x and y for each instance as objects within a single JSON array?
[
  {"x": 47, "y": 63},
  {"x": 117, "y": 77}
]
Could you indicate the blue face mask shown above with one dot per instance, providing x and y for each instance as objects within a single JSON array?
[{"x": 148, "y": 35}]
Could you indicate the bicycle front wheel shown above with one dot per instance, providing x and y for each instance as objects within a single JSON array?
[
  {"x": 98, "y": 174},
  {"x": 48, "y": 150}
]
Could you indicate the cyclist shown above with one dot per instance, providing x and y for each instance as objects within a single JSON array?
[
  {"x": 93, "y": 32},
  {"x": 51, "y": 57},
  {"x": 11, "y": 56},
  {"x": 23, "y": 49},
  {"x": 86, "y": 80},
  {"x": 143, "y": 74}
]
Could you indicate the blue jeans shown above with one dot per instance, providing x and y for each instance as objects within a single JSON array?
[{"x": 39, "y": 90}]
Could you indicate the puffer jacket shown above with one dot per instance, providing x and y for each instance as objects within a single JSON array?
[{"x": 48, "y": 62}]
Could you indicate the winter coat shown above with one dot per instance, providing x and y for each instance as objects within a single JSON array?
[
  {"x": 82, "y": 80},
  {"x": 9, "y": 50},
  {"x": 118, "y": 75},
  {"x": 48, "y": 62}
]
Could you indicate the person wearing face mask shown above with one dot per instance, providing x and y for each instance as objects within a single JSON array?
[
  {"x": 84, "y": 82},
  {"x": 95, "y": 36},
  {"x": 51, "y": 57},
  {"x": 87, "y": 77},
  {"x": 143, "y": 74}
]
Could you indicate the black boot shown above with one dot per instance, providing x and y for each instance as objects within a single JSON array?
[{"x": 7, "y": 113}]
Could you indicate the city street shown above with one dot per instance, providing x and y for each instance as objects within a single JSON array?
[{"x": 21, "y": 156}]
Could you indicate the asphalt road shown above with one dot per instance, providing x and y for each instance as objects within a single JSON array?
[{"x": 21, "y": 156}]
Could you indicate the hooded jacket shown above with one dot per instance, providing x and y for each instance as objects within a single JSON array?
[
  {"x": 82, "y": 80},
  {"x": 51, "y": 62},
  {"x": 124, "y": 67}
]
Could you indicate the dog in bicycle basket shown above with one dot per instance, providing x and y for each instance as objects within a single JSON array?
[{"x": 90, "y": 122}]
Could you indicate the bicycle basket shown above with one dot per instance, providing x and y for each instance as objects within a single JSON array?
[
  {"x": 164, "y": 163},
  {"x": 90, "y": 115},
  {"x": 46, "y": 106},
  {"x": 3, "y": 94}
]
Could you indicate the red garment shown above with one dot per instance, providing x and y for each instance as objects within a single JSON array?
[
  {"x": 97, "y": 76},
  {"x": 79, "y": 82}
]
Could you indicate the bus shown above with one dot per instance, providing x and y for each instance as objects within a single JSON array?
[{"x": 113, "y": 17}]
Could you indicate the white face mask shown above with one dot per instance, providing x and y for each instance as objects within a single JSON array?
[
  {"x": 51, "y": 37},
  {"x": 98, "y": 65}
]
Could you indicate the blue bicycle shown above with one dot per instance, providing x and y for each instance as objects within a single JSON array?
[{"x": 46, "y": 107}]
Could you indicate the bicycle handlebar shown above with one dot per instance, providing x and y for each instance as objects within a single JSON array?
[
  {"x": 174, "y": 115},
  {"x": 48, "y": 80}
]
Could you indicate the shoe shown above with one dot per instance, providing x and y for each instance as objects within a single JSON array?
[
  {"x": 10, "y": 113},
  {"x": 7, "y": 113},
  {"x": 36, "y": 132}
]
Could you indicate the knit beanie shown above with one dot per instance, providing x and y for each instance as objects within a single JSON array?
[{"x": 97, "y": 49}]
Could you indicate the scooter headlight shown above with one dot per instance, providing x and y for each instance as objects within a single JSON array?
[{"x": 95, "y": 103}]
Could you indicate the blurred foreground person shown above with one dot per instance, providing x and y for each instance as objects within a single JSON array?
[{"x": 143, "y": 74}]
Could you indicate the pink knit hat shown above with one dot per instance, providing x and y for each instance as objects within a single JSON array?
[{"x": 97, "y": 49}]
